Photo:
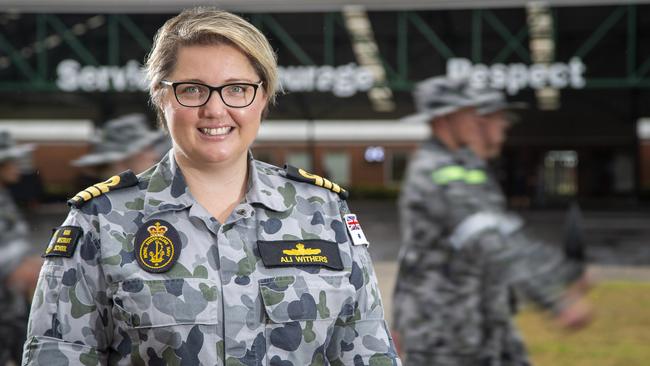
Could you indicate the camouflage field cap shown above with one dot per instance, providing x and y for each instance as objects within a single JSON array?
[
  {"x": 438, "y": 96},
  {"x": 9, "y": 150},
  {"x": 495, "y": 100},
  {"x": 119, "y": 139}
]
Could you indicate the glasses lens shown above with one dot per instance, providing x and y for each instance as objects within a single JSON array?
[
  {"x": 191, "y": 95},
  {"x": 238, "y": 95}
]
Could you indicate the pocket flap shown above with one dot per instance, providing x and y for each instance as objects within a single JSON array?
[
  {"x": 313, "y": 297},
  {"x": 158, "y": 303}
]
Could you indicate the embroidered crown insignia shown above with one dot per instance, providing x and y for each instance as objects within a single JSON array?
[{"x": 157, "y": 229}]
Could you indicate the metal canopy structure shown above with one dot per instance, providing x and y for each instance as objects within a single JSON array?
[
  {"x": 612, "y": 41},
  {"x": 168, "y": 6}
]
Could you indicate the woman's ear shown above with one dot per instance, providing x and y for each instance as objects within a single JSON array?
[{"x": 265, "y": 113}]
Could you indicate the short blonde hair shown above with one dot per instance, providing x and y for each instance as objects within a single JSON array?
[{"x": 208, "y": 26}]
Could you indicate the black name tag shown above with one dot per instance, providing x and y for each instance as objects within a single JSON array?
[
  {"x": 63, "y": 242},
  {"x": 293, "y": 253}
]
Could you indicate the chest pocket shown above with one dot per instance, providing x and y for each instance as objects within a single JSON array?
[
  {"x": 161, "y": 315},
  {"x": 301, "y": 312}
]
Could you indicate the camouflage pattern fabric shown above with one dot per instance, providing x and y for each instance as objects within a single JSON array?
[
  {"x": 218, "y": 304},
  {"x": 451, "y": 296},
  {"x": 13, "y": 305},
  {"x": 536, "y": 280}
]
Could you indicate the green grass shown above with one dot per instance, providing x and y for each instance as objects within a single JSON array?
[{"x": 618, "y": 336}]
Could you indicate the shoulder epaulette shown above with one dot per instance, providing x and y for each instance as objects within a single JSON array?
[
  {"x": 300, "y": 175},
  {"x": 123, "y": 180}
]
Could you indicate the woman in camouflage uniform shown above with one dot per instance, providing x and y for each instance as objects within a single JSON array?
[{"x": 210, "y": 257}]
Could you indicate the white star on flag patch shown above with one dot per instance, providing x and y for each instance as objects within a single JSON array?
[{"x": 354, "y": 228}]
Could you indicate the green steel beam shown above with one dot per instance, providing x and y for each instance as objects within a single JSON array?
[
  {"x": 643, "y": 69},
  {"x": 600, "y": 32},
  {"x": 512, "y": 41},
  {"x": 328, "y": 39},
  {"x": 13, "y": 86},
  {"x": 401, "y": 85},
  {"x": 41, "y": 50},
  {"x": 511, "y": 46},
  {"x": 71, "y": 40},
  {"x": 599, "y": 83},
  {"x": 391, "y": 75},
  {"x": 17, "y": 59},
  {"x": 286, "y": 39},
  {"x": 477, "y": 41},
  {"x": 631, "y": 41},
  {"x": 135, "y": 31},
  {"x": 402, "y": 45},
  {"x": 113, "y": 40},
  {"x": 430, "y": 35}
]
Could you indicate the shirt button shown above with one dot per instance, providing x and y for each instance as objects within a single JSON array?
[{"x": 241, "y": 212}]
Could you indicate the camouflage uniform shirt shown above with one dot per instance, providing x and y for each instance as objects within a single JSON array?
[
  {"x": 13, "y": 305},
  {"x": 219, "y": 304}
]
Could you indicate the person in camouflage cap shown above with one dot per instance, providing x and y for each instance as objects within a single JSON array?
[
  {"x": 18, "y": 265},
  {"x": 210, "y": 257},
  {"x": 123, "y": 143},
  {"x": 462, "y": 252}
]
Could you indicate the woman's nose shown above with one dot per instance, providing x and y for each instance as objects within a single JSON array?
[{"x": 214, "y": 106}]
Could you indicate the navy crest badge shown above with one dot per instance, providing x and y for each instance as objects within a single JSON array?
[{"x": 157, "y": 246}]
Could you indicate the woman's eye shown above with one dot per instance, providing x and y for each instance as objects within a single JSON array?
[
  {"x": 237, "y": 89},
  {"x": 190, "y": 89}
]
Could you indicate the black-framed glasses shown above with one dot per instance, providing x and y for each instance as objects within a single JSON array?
[{"x": 234, "y": 95}]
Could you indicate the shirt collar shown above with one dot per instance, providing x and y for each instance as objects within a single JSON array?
[
  {"x": 168, "y": 191},
  {"x": 166, "y": 188},
  {"x": 267, "y": 186}
]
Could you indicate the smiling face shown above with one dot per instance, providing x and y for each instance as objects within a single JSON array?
[{"x": 213, "y": 133}]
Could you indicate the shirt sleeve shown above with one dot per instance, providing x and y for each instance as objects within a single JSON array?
[
  {"x": 363, "y": 338},
  {"x": 70, "y": 318},
  {"x": 550, "y": 271},
  {"x": 537, "y": 270}
]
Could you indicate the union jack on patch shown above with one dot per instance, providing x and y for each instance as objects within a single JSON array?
[
  {"x": 354, "y": 229},
  {"x": 352, "y": 222}
]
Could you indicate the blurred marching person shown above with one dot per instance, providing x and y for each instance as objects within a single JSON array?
[
  {"x": 19, "y": 266},
  {"x": 462, "y": 251},
  {"x": 124, "y": 143}
]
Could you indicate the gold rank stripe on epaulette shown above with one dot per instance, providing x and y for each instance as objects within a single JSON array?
[
  {"x": 302, "y": 176},
  {"x": 123, "y": 180}
]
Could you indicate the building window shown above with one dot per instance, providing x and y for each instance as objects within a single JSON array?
[
  {"x": 398, "y": 163},
  {"x": 300, "y": 159},
  {"x": 337, "y": 167},
  {"x": 561, "y": 173}
]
